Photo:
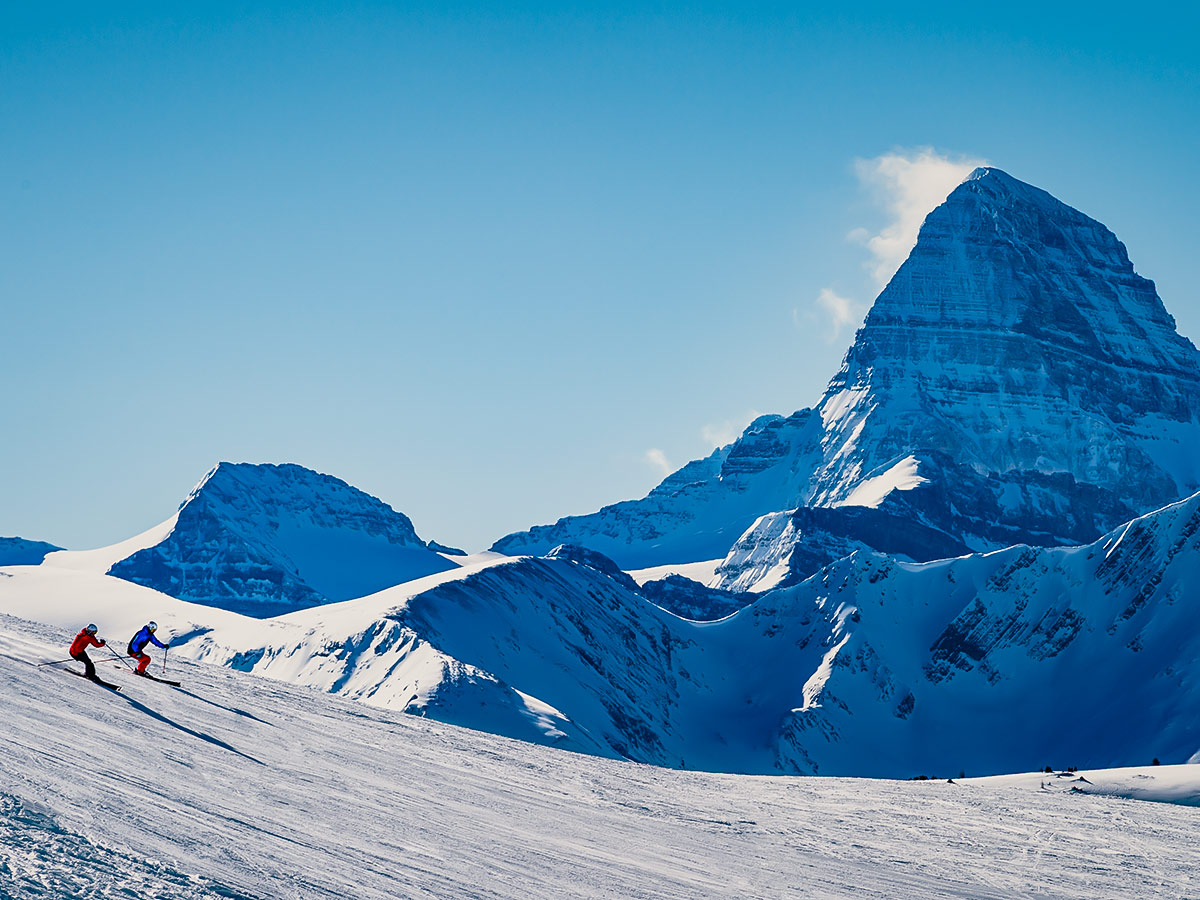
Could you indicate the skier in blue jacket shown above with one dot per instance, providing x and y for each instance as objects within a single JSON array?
[{"x": 140, "y": 640}]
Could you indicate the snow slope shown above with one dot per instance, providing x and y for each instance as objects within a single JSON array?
[
  {"x": 267, "y": 539},
  {"x": 1158, "y": 784},
  {"x": 102, "y": 559},
  {"x": 246, "y": 789},
  {"x": 1016, "y": 382},
  {"x": 987, "y": 663}
]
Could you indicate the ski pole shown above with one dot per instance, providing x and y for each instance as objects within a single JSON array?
[
  {"x": 165, "y": 649},
  {"x": 118, "y": 656}
]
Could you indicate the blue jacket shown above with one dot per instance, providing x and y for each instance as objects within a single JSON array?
[{"x": 142, "y": 638}]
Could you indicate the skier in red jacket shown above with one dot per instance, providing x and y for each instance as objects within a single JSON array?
[{"x": 83, "y": 640}]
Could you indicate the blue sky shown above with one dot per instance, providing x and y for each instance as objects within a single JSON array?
[{"x": 498, "y": 264}]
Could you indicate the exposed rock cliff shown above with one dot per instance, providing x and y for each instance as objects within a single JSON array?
[{"x": 16, "y": 551}]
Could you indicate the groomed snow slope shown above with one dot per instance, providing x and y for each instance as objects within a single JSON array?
[{"x": 239, "y": 787}]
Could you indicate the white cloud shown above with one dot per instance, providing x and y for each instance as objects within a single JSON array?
[
  {"x": 908, "y": 185},
  {"x": 658, "y": 459},
  {"x": 718, "y": 434},
  {"x": 838, "y": 312}
]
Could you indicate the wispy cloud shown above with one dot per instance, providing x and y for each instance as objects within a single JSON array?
[
  {"x": 907, "y": 184},
  {"x": 718, "y": 434},
  {"x": 838, "y": 312},
  {"x": 658, "y": 460}
]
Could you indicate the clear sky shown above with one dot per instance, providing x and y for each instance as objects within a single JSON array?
[{"x": 496, "y": 264}]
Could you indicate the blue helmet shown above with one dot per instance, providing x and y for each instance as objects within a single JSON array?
[
  {"x": 91, "y": 629},
  {"x": 153, "y": 626}
]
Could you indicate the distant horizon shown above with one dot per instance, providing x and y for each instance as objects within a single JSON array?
[{"x": 497, "y": 265}]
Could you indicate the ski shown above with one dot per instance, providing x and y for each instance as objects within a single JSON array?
[
  {"x": 107, "y": 684},
  {"x": 159, "y": 680},
  {"x": 150, "y": 677}
]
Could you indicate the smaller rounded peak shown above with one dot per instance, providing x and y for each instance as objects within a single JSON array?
[
  {"x": 225, "y": 469},
  {"x": 585, "y": 556},
  {"x": 246, "y": 477}
]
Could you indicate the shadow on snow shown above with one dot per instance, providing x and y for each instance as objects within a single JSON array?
[{"x": 141, "y": 707}]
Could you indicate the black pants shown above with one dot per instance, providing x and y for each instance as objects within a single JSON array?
[{"x": 88, "y": 667}]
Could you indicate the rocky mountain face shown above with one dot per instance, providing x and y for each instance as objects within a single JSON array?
[
  {"x": 268, "y": 539},
  {"x": 784, "y": 548},
  {"x": 1058, "y": 653},
  {"x": 17, "y": 551},
  {"x": 1018, "y": 341},
  {"x": 1016, "y": 381},
  {"x": 689, "y": 599},
  {"x": 1004, "y": 661}
]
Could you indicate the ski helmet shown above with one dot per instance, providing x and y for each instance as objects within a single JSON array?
[
  {"x": 91, "y": 629},
  {"x": 153, "y": 626}
]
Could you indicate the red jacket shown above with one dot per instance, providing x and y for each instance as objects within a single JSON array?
[{"x": 82, "y": 641}]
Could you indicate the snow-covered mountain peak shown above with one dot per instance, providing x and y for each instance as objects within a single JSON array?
[
  {"x": 268, "y": 539},
  {"x": 1026, "y": 254},
  {"x": 1016, "y": 381},
  {"x": 272, "y": 486},
  {"x": 1018, "y": 334}
]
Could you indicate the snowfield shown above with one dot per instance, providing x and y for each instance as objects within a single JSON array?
[{"x": 235, "y": 786}]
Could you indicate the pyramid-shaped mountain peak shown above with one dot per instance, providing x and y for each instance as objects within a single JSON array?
[
  {"x": 1003, "y": 256},
  {"x": 1015, "y": 382}
]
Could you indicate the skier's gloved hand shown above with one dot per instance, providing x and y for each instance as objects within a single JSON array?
[{"x": 103, "y": 642}]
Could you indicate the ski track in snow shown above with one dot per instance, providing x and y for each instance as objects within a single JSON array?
[
  {"x": 153, "y": 793},
  {"x": 40, "y": 858}
]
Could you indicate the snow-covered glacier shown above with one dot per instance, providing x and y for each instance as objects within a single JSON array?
[
  {"x": 1016, "y": 381},
  {"x": 268, "y": 539}
]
